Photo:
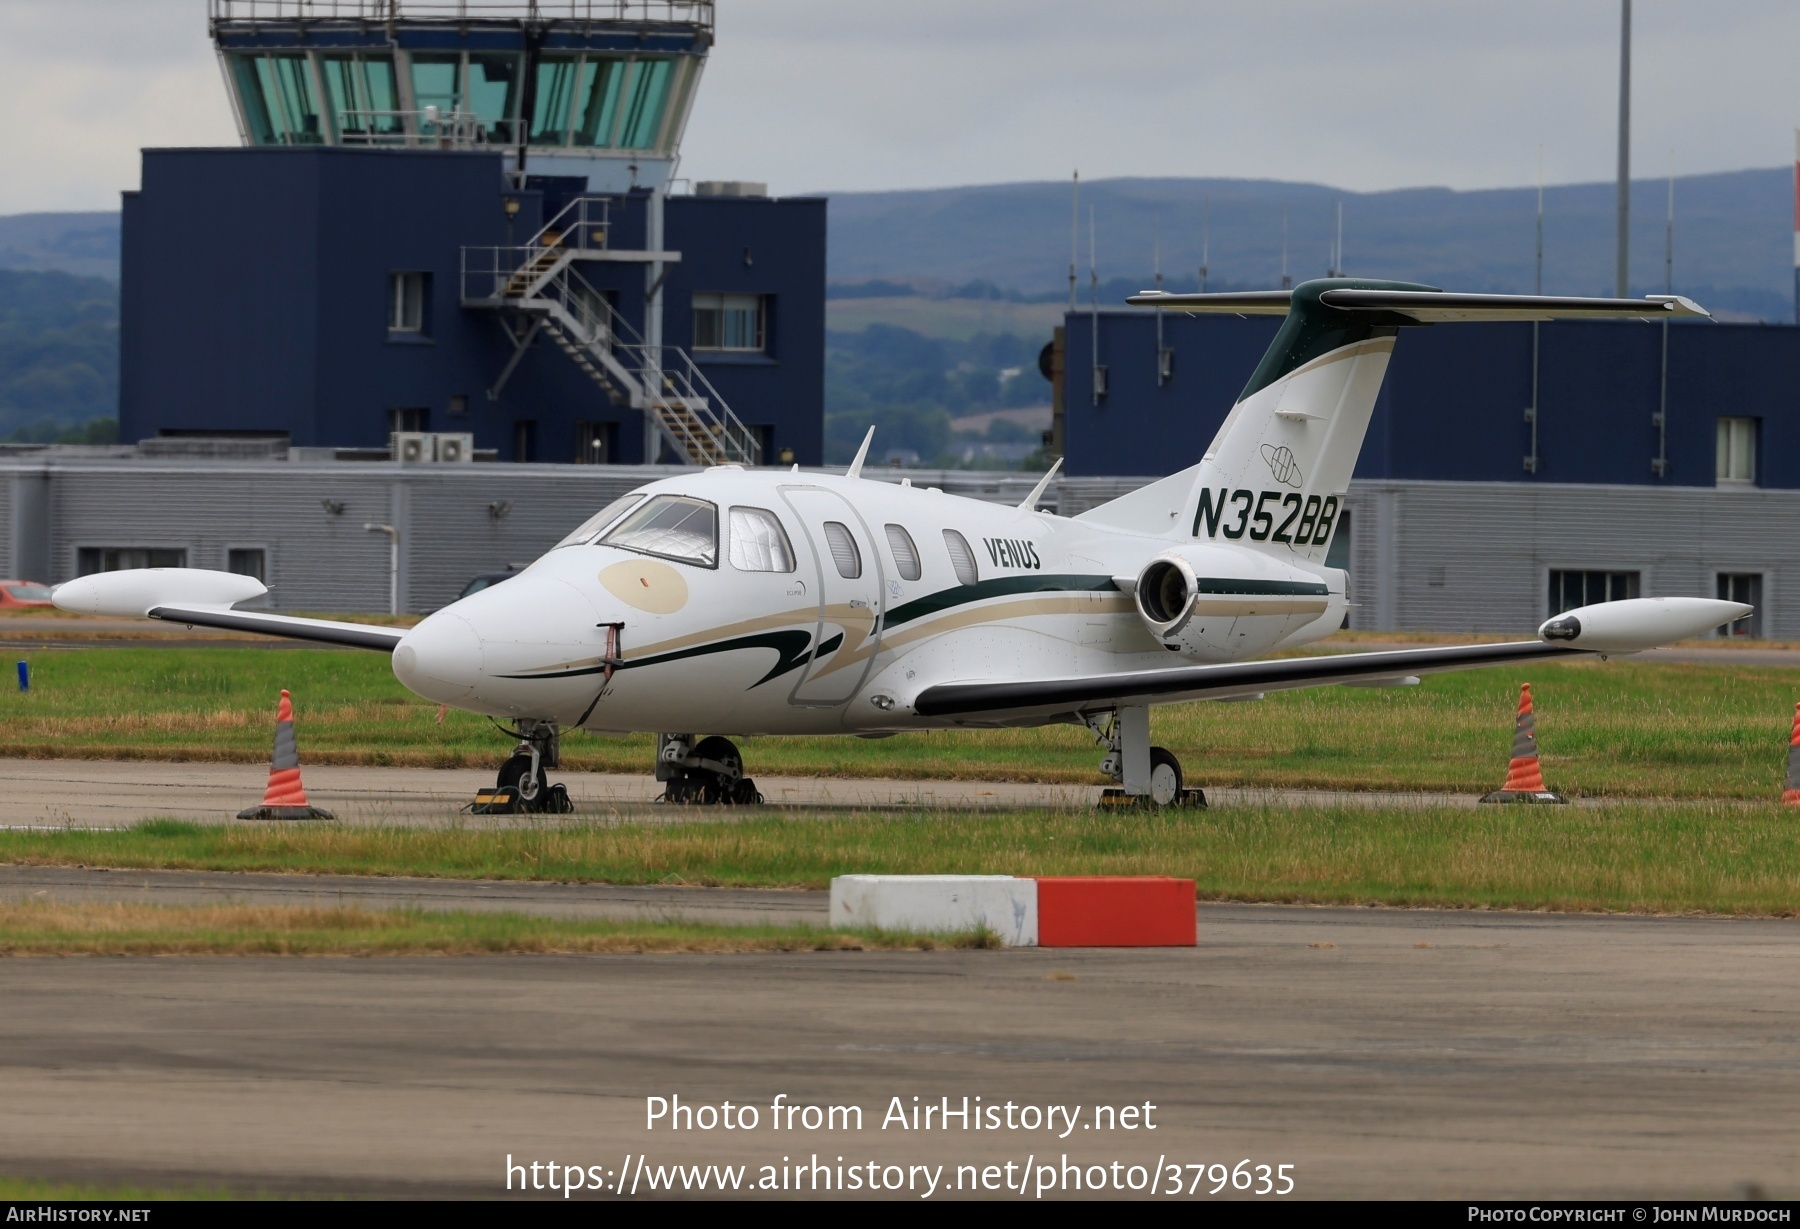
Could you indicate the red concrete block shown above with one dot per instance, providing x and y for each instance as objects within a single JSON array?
[{"x": 1116, "y": 911}]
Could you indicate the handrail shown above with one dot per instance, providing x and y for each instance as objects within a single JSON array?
[
  {"x": 584, "y": 224},
  {"x": 426, "y": 127}
]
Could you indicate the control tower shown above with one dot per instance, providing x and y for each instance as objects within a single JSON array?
[
  {"x": 594, "y": 88},
  {"x": 460, "y": 220}
]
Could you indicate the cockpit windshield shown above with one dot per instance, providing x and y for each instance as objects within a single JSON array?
[
  {"x": 586, "y": 531},
  {"x": 673, "y": 527}
]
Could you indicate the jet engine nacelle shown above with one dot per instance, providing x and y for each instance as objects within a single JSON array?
[{"x": 1219, "y": 604}]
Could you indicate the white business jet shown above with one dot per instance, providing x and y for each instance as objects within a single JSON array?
[{"x": 734, "y": 602}]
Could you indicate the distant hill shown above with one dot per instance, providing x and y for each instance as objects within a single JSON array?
[
  {"x": 85, "y": 244},
  {"x": 59, "y": 352},
  {"x": 1733, "y": 245}
]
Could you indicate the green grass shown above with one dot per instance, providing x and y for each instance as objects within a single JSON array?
[
  {"x": 37, "y": 928},
  {"x": 30, "y": 1189},
  {"x": 1669, "y": 857},
  {"x": 1620, "y": 728}
]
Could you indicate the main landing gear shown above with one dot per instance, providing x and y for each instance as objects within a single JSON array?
[
  {"x": 522, "y": 785},
  {"x": 707, "y": 773},
  {"x": 1148, "y": 776}
]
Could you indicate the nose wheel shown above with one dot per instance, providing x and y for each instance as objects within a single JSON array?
[
  {"x": 705, "y": 773},
  {"x": 523, "y": 784}
]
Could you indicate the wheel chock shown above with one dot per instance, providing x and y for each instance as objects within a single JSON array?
[{"x": 1119, "y": 800}]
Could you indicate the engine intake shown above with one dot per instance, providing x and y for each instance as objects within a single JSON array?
[{"x": 1166, "y": 589}]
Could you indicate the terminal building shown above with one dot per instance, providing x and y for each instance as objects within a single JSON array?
[
  {"x": 1511, "y": 471},
  {"x": 461, "y": 221}
]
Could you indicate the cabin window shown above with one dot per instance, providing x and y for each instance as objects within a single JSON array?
[
  {"x": 961, "y": 557},
  {"x": 586, "y": 531},
  {"x": 671, "y": 527},
  {"x": 906, "y": 555},
  {"x": 843, "y": 550},
  {"x": 759, "y": 543}
]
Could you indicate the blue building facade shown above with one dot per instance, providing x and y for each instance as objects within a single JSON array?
[
  {"x": 1453, "y": 407},
  {"x": 257, "y": 298}
]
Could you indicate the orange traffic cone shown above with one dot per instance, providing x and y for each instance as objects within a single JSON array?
[
  {"x": 1524, "y": 779},
  {"x": 285, "y": 797},
  {"x": 1791, "y": 796}
]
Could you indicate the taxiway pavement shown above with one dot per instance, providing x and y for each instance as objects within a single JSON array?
[{"x": 1379, "y": 1052}]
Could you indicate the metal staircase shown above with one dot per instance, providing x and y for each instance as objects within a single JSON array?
[{"x": 537, "y": 287}]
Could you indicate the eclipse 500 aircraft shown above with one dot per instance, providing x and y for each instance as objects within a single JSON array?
[{"x": 733, "y": 602}]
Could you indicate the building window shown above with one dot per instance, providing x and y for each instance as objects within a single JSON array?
[
  {"x": 459, "y": 405},
  {"x": 407, "y": 294},
  {"x": 251, "y": 561},
  {"x": 91, "y": 559},
  {"x": 729, "y": 322},
  {"x": 596, "y": 443},
  {"x": 1737, "y": 452},
  {"x": 1569, "y": 589},
  {"x": 525, "y": 440},
  {"x": 1745, "y": 587},
  {"x": 407, "y": 418}
]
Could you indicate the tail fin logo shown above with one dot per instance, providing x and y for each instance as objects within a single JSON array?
[{"x": 1282, "y": 464}]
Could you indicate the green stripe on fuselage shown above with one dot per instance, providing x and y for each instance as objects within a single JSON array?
[{"x": 1000, "y": 586}]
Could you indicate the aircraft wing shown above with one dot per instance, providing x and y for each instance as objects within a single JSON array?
[
  {"x": 203, "y": 598},
  {"x": 1000, "y": 702},
  {"x": 323, "y": 631},
  {"x": 1434, "y": 306}
]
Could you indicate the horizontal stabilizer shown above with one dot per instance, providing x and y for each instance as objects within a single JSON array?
[{"x": 1434, "y": 306}]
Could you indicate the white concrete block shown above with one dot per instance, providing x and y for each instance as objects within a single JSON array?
[{"x": 939, "y": 903}]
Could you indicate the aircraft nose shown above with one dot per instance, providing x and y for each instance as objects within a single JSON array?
[{"x": 439, "y": 659}]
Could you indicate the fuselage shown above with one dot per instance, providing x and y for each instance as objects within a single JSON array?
[{"x": 742, "y": 602}]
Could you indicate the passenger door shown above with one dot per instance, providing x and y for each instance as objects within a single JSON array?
[{"x": 850, "y": 579}]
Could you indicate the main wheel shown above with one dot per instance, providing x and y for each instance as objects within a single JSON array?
[
  {"x": 720, "y": 751},
  {"x": 1165, "y": 777},
  {"x": 516, "y": 774}
]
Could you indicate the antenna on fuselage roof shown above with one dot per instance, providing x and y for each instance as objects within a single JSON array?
[
  {"x": 855, "y": 470},
  {"x": 1029, "y": 503}
]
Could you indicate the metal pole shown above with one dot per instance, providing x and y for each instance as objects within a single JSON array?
[
  {"x": 1206, "y": 231},
  {"x": 1074, "y": 234},
  {"x": 1537, "y": 287},
  {"x": 1621, "y": 277},
  {"x": 1660, "y": 466},
  {"x": 1094, "y": 306}
]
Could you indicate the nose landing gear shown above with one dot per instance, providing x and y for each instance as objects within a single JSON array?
[
  {"x": 1149, "y": 776},
  {"x": 706, "y": 773},
  {"x": 522, "y": 784}
]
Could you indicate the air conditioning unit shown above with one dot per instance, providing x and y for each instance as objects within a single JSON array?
[
  {"x": 410, "y": 446},
  {"x": 455, "y": 446}
]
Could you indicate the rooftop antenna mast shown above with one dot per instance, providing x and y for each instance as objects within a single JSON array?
[
  {"x": 1660, "y": 465},
  {"x": 1165, "y": 366},
  {"x": 1099, "y": 381},
  {"x": 1621, "y": 277},
  {"x": 1206, "y": 234},
  {"x": 1537, "y": 287},
  {"x": 1074, "y": 233},
  {"x": 1287, "y": 283}
]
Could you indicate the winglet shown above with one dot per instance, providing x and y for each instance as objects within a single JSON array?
[
  {"x": 855, "y": 470},
  {"x": 1029, "y": 503}
]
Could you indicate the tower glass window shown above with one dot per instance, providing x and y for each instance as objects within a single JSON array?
[
  {"x": 729, "y": 322},
  {"x": 1737, "y": 452},
  {"x": 493, "y": 95},
  {"x": 278, "y": 101},
  {"x": 364, "y": 102}
]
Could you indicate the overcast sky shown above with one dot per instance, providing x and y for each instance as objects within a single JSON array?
[{"x": 821, "y": 95}]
